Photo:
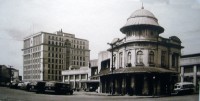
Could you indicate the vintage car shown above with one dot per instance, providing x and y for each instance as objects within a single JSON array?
[
  {"x": 19, "y": 85},
  {"x": 31, "y": 86},
  {"x": 13, "y": 85},
  {"x": 24, "y": 85},
  {"x": 184, "y": 88},
  {"x": 58, "y": 88},
  {"x": 38, "y": 87}
]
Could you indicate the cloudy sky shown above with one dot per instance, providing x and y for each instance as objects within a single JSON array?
[{"x": 98, "y": 21}]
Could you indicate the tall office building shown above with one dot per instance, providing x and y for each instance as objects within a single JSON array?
[{"x": 45, "y": 55}]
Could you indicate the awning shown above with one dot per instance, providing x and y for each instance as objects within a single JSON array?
[
  {"x": 135, "y": 70},
  {"x": 102, "y": 73},
  {"x": 143, "y": 70}
]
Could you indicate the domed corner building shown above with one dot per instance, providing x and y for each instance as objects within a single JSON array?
[{"x": 142, "y": 63}]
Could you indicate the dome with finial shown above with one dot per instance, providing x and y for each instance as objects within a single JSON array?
[{"x": 142, "y": 18}]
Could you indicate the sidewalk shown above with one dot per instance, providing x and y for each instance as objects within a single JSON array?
[
  {"x": 107, "y": 94},
  {"x": 91, "y": 93}
]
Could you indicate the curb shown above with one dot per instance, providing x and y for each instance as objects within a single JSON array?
[{"x": 103, "y": 94}]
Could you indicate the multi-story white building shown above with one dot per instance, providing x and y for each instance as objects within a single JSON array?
[{"x": 45, "y": 55}]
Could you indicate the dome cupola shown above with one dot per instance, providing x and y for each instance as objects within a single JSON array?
[{"x": 142, "y": 19}]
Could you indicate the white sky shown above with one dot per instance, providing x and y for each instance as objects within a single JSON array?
[{"x": 98, "y": 21}]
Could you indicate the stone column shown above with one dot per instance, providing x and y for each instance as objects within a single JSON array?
[
  {"x": 133, "y": 84},
  {"x": 79, "y": 81},
  {"x": 195, "y": 76},
  {"x": 145, "y": 86},
  {"x": 63, "y": 78},
  {"x": 123, "y": 85},
  {"x": 124, "y": 61},
  {"x": 170, "y": 60},
  {"x": 68, "y": 78},
  {"x": 117, "y": 60},
  {"x": 116, "y": 87},
  {"x": 158, "y": 87},
  {"x": 74, "y": 80},
  {"x": 182, "y": 74},
  {"x": 100, "y": 85}
]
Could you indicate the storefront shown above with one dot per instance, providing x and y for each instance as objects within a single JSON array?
[{"x": 138, "y": 81}]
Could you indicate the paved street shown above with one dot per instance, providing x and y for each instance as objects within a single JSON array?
[{"x": 7, "y": 94}]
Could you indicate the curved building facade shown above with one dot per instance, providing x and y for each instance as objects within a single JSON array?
[{"x": 142, "y": 63}]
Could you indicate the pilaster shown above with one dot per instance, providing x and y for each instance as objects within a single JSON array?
[
  {"x": 182, "y": 74},
  {"x": 195, "y": 76}
]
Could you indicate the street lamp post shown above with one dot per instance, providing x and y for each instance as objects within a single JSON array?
[
  {"x": 154, "y": 85},
  {"x": 112, "y": 68}
]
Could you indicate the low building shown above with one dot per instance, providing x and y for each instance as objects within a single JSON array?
[
  {"x": 190, "y": 68},
  {"x": 76, "y": 77},
  {"x": 4, "y": 75},
  {"x": 79, "y": 78},
  {"x": 8, "y": 74},
  {"x": 14, "y": 75}
]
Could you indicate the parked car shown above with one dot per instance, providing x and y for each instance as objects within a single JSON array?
[
  {"x": 13, "y": 85},
  {"x": 58, "y": 88},
  {"x": 184, "y": 88},
  {"x": 19, "y": 85},
  {"x": 8, "y": 84},
  {"x": 31, "y": 86},
  {"x": 24, "y": 85},
  {"x": 3, "y": 84},
  {"x": 38, "y": 86}
]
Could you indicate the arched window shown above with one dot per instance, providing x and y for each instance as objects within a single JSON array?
[
  {"x": 129, "y": 57},
  {"x": 129, "y": 60},
  {"x": 139, "y": 57},
  {"x": 151, "y": 57},
  {"x": 120, "y": 59},
  {"x": 175, "y": 57},
  {"x": 163, "y": 56}
]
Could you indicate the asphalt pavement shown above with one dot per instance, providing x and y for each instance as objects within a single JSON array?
[{"x": 7, "y": 94}]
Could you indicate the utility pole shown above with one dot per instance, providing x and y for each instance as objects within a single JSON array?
[
  {"x": 112, "y": 68},
  {"x": 10, "y": 72}
]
